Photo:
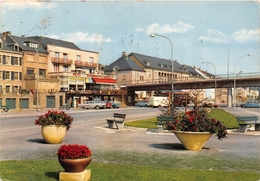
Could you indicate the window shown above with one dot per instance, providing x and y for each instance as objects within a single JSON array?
[
  {"x": 30, "y": 71},
  {"x": 78, "y": 57},
  {"x": 7, "y": 89},
  {"x": 56, "y": 68},
  {"x": 65, "y": 56},
  {"x": 141, "y": 77},
  {"x": 124, "y": 77},
  {"x": 16, "y": 48},
  {"x": 65, "y": 68},
  {"x": 8, "y": 60},
  {"x": 91, "y": 59},
  {"x": 1, "y": 59},
  {"x": 42, "y": 72},
  {"x": 33, "y": 45},
  {"x": 16, "y": 61},
  {"x": 1, "y": 74},
  {"x": 16, "y": 76},
  {"x": 15, "y": 88},
  {"x": 56, "y": 54},
  {"x": 7, "y": 75}
]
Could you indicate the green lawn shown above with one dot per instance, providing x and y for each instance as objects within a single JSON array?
[
  {"x": 228, "y": 119},
  {"x": 121, "y": 166}
]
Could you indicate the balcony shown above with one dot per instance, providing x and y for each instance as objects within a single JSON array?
[
  {"x": 61, "y": 61},
  {"x": 85, "y": 64}
]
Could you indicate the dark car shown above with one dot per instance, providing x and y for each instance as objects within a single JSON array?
[{"x": 250, "y": 105}]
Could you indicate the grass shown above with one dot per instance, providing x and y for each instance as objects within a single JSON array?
[
  {"x": 228, "y": 119},
  {"x": 133, "y": 166}
]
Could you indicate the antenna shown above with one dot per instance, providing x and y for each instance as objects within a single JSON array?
[{"x": 21, "y": 28}]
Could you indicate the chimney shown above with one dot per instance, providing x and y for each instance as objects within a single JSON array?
[
  {"x": 124, "y": 54},
  {"x": 5, "y": 34}
]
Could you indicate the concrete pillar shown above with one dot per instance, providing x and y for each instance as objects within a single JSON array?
[{"x": 229, "y": 96}]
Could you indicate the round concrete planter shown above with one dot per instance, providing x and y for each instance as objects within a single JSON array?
[
  {"x": 75, "y": 165},
  {"x": 53, "y": 134},
  {"x": 193, "y": 140}
]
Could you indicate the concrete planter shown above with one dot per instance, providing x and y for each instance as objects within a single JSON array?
[
  {"x": 53, "y": 134},
  {"x": 192, "y": 140}
]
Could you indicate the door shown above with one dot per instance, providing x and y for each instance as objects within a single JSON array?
[
  {"x": 10, "y": 103},
  {"x": 50, "y": 101},
  {"x": 25, "y": 103}
]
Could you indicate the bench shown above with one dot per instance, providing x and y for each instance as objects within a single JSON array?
[
  {"x": 118, "y": 119},
  {"x": 5, "y": 108},
  {"x": 245, "y": 121},
  {"x": 162, "y": 121}
]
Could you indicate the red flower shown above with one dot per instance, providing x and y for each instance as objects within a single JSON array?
[{"x": 73, "y": 151}]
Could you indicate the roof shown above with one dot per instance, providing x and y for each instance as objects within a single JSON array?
[
  {"x": 104, "y": 81},
  {"x": 23, "y": 43},
  {"x": 123, "y": 63},
  {"x": 161, "y": 64},
  {"x": 51, "y": 41}
]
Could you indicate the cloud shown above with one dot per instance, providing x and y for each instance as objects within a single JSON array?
[
  {"x": 241, "y": 36},
  {"x": 180, "y": 27},
  {"x": 214, "y": 36},
  {"x": 80, "y": 37},
  {"x": 21, "y": 4},
  {"x": 245, "y": 35}
]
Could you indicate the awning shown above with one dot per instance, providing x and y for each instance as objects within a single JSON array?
[{"x": 104, "y": 81}]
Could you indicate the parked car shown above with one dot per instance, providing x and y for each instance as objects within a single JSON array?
[
  {"x": 92, "y": 105},
  {"x": 142, "y": 104},
  {"x": 250, "y": 104},
  {"x": 110, "y": 104}
]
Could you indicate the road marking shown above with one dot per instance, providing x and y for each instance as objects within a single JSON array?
[{"x": 18, "y": 129}]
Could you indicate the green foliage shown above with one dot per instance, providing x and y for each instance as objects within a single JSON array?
[
  {"x": 192, "y": 122},
  {"x": 228, "y": 120},
  {"x": 54, "y": 118}
]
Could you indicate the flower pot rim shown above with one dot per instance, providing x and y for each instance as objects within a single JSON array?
[
  {"x": 73, "y": 158},
  {"x": 189, "y": 132}
]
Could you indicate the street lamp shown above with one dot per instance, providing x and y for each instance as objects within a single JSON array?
[
  {"x": 37, "y": 80},
  {"x": 215, "y": 80},
  {"x": 249, "y": 54},
  {"x": 172, "y": 85}
]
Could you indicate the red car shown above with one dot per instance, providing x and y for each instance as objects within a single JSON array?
[{"x": 110, "y": 104}]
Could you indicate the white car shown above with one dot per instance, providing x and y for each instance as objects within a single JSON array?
[{"x": 92, "y": 105}]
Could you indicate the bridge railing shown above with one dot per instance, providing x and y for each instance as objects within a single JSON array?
[{"x": 166, "y": 80}]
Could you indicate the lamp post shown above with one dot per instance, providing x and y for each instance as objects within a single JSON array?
[
  {"x": 215, "y": 80},
  {"x": 37, "y": 80},
  {"x": 172, "y": 85},
  {"x": 249, "y": 54}
]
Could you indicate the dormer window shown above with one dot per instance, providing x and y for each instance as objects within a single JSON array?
[
  {"x": 16, "y": 47},
  {"x": 33, "y": 45}
]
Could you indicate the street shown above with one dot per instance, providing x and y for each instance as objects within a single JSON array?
[{"x": 21, "y": 139}]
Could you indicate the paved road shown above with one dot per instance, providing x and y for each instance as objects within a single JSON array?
[{"x": 28, "y": 144}]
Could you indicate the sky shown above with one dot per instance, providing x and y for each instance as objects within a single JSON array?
[{"x": 221, "y": 33}]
